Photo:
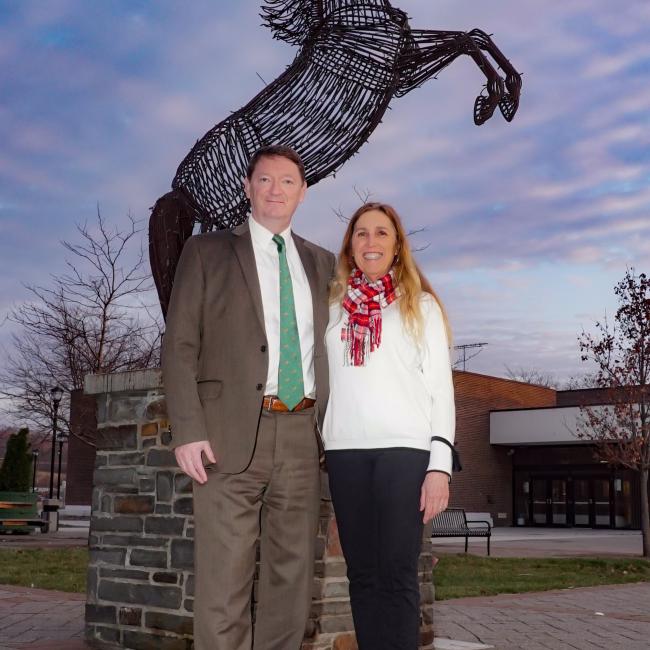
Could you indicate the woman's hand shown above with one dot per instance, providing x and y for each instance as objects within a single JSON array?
[{"x": 434, "y": 495}]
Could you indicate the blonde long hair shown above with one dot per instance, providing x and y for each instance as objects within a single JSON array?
[{"x": 408, "y": 276}]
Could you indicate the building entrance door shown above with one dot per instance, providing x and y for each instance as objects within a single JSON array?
[
  {"x": 583, "y": 511},
  {"x": 576, "y": 497},
  {"x": 592, "y": 502},
  {"x": 549, "y": 501}
]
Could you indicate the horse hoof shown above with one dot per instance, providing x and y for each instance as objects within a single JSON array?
[
  {"x": 483, "y": 109},
  {"x": 508, "y": 106}
]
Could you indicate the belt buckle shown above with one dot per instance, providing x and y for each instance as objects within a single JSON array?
[{"x": 273, "y": 400}]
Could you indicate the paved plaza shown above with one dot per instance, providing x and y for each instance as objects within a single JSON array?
[
  {"x": 614, "y": 617},
  {"x": 39, "y": 619}
]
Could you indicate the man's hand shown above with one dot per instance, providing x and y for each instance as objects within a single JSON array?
[
  {"x": 189, "y": 459},
  {"x": 434, "y": 495}
]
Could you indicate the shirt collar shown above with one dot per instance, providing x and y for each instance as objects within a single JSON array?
[{"x": 262, "y": 237}]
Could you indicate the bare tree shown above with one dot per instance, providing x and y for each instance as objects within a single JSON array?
[
  {"x": 92, "y": 319},
  {"x": 365, "y": 196},
  {"x": 532, "y": 376},
  {"x": 579, "y": 382},
  {"x": 621, "y": 353}
]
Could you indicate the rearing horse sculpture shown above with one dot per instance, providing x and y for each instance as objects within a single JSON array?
[{"x": 355, "y": 56}]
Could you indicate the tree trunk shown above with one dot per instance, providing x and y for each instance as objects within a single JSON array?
[{"x": 645, "y": 513}]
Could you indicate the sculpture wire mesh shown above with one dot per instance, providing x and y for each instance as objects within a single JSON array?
[{"x": 354, "y": 57}]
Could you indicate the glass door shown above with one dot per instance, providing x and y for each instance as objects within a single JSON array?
[
  {"x": 539, "y": 501},
  {"x": 582, "y": 502},
  {"x": 592, "y": 502},
  {"x": 623, "y": 499},
  {"x": 558, "y": 504},
  {"x": 549, "y": 501},
  {"x": 602, "y": 503}
]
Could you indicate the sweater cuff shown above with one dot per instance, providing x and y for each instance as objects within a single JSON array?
[
  {"x": 440, "y": 458},
  {"x": 439, "y": 471}
]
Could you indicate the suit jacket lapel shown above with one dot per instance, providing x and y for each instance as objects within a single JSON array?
[
  {"x": 243, "y": 246},
  {"x": 319, "y": 304}
]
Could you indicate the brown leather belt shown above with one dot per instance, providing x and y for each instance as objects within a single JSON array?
[{"x": 274, "y": 403}]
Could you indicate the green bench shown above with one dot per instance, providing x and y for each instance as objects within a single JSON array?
[{"x": 19, "y": 512}]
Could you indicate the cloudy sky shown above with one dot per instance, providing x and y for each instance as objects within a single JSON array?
[{"x": 527, "y": 225}]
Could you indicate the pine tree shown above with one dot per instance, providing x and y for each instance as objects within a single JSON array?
[{"x": 16, "y": 469}]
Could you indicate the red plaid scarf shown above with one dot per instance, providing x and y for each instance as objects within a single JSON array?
[{"x": 363, "y": 302}]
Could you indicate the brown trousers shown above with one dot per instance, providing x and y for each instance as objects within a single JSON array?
[{"x": 276, "y": 498}]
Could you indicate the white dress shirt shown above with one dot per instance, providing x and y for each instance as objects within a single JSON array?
[
  {"x": 267, "y": 261},
  {"x": 404, "y": 394}
]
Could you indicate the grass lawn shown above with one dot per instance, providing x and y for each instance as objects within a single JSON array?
[
  {"x": 52, "y": 568},
  {"x": 457, "y": 576}
]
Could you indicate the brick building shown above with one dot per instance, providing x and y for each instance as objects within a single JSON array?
[
  {"x": 557, "y": 478},
  {"x": 485, "y": 484},
  {"x": 521, "y": 463}
]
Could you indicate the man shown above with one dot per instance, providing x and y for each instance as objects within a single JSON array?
[{"x": 245, "y": 375}]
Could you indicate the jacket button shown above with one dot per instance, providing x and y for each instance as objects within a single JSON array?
[
  {"x": 263, "y": 348},
  {"x": 259, "y": 386}
]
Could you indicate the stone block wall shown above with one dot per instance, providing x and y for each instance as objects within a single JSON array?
[{"x": 140, "y": 580}]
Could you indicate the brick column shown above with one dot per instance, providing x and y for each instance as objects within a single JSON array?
[{"x": 140, "y": 580}]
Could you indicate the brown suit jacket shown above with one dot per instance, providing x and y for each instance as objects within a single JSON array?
[{"x": 214, "y": 355}]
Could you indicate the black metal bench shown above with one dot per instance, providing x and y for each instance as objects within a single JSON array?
[
  {"x": 453, "y": 523},
  {"x": 20, "y": 515}
]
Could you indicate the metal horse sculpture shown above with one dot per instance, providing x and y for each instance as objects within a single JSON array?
[{"x": 355, "y": 56}]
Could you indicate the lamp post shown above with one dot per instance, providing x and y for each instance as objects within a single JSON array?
[
  {"x": 56, "y": 394},
  {"x": 61, "y": 440},
  {"x": 34, "y": 463}
]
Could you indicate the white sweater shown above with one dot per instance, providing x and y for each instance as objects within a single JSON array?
[{"x": 401, "y": 397}]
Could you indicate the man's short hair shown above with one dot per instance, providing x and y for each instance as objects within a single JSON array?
[{"x": 275, "y": 150}]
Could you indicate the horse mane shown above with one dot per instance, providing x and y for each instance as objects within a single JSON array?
[{"x": 292, "y": 20}]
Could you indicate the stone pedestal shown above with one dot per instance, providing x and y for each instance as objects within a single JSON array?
[{"x": 140, "y": 580}]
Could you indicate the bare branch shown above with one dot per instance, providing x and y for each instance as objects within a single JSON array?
[
  {"x": 621, "y": 355},
  {"x": 532, "y": 376},
  {"x": 90, "y": 319}
]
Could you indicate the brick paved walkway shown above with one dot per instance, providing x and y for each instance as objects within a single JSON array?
[
  {"x": 592, "y": 618},
  {"x": 613, "y": 617},
  {"x": 38, "y": 619}
]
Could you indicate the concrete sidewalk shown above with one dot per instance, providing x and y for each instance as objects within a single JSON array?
[
  {"x": 66, "y": 537},
  {"x": 548, "y": 542}
]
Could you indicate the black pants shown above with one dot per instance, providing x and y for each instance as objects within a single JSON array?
[{"x": 376, "y": 496}]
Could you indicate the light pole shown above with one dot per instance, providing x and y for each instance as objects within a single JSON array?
[
  {"x": 62, "y": 439},
  {"x": 34, "y": 463},
  {"x": 56, "y": 394}
]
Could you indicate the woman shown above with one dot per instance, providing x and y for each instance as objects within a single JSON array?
[{"x": 389, "y": 426}]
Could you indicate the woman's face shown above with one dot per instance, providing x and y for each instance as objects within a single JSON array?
[{"x": 374, "y": 244}]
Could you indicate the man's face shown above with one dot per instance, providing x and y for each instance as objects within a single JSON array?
[{"x": 275, "y": 190}]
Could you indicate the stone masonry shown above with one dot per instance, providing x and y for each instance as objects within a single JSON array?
[{"x": 140, "y": 580}]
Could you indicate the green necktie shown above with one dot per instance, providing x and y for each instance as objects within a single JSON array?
[{"x": 291, "y": 388}]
